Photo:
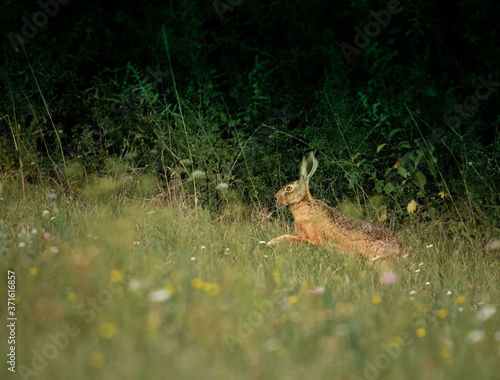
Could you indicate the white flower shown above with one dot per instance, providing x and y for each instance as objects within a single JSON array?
[
  {"x": 21, "y": 244},
  {"x": 413, "y": 292},
  {"x": 203, "y": 247},
  {"x": 418, "y": 270},
  {"x": 159, "y": 295},
  {"x": 45, "y": 212},
  {"x": 198, "y": 174},
  {"x": 54, "y": 249},
  {"x": 193, "y": 258},
  {"x": 221, "y": 186},
  {"x": 262, "y": 242},
  {"x": 485, "y": 313},
  {"x": 449, "y": 293},
  {"x": 427, "y": 283},
  {"x": 429, "y": 246},
  {"x": 476, "y": 336}
]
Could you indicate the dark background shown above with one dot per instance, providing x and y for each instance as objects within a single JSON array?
[{"x": 243, "y": 93}]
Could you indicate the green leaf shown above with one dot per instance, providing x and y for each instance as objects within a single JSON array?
[
  {"x": 394, "y": 132},
  {"x": 402, "y": 171},
  {"x": 420, "y": 179},
  {"x": 380, "y": 147},
  {"x": 390, "y": 187}
]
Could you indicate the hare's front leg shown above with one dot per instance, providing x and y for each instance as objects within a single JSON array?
[{"x": 290, "y": 238}]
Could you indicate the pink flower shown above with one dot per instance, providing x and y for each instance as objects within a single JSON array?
[
  {"x": 388, "y": 278},
  {"x": 319, "y": 290},
  {"x": 46, "y": 235}
]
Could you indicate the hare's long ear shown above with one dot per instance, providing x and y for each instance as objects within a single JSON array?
[{"x": 308, "y": 166}]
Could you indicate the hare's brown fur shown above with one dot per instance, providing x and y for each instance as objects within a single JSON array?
[{"x": 317, "y": 223}]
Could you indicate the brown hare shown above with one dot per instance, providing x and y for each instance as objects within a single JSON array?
[{"x": 318, "y": 224}]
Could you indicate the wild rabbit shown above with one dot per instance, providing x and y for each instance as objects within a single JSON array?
[{"x": 318, "y": 224}]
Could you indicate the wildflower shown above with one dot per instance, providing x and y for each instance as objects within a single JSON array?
[
  {"x": 318, "y": 290},
  {"x": 449, "y": 293},
  {"x": 460, "y": 300},
  {"x": 34, "y": 231},
  {"x": 33, "y": 271},
  {"x": 137, "y": 243},
  {"x": 54, "y": 249},
  {"x": 276, "y": 276},
  {"x": 447, "y": 354},
  {"x": 421, "y": 333},
  {"x": 429, "y": 246},
  {"x": 159, "y": 295},
  {"x": 193, "y": 258},
  {"x": 107, "y": 330},
  {"x": 134, "y": 284},
  {"x": 442, "y": 313},
  {"x": 198, "y": 174},
  {"x": 169, "y": 288},
  {"x": 197, "y": 283},
  {"x": 46, "y": 235},
  {"x": 221, "y": 186},
  {"x": 293, "y": 299},
  {"x": 413, "y": 292},
  {"x": 427, "y": 283},
  {"x": 203, "y": 247},
  {"x": 389, "y": 278},
  {"x": 262, "y": 242},
  {"x": 476, "y": 336},
  {"x": 211, "y": 289},
  {"x": 418, "y": 270},
  {"x": 45, "y": 212},
  {"x": 97, "y": 360},
  {"x": 376, "y": 300},
  {"x": 21, "y": 244},
  {"x": 72, "y": 296},
  {"x": 485, "y": 313},
  {"x": 116, "y": 275}
]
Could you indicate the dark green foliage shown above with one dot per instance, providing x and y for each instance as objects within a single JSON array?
[{"x": 243, "y": 98}]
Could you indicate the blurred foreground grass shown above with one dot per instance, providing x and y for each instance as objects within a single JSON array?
[{"x": 140, "y": 290}]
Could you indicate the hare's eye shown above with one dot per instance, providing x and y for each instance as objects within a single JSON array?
[{"x": 289, "y": 188}]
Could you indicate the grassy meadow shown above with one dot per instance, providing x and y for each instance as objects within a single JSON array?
[{"x": 114, "y": 286}]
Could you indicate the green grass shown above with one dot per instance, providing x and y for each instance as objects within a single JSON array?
[{"x": 126, "y": 290}]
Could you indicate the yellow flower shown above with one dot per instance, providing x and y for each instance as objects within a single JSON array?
[
  {"x": 442, "y": 313},
  {"x": 460, "y": 300},
  {"x": 293, "y": 299},
  {"x": 72, "y": 296},
  {"x": 397, "y": 341},
  {"x": 197, "y": 283},
  {"x": 421, "y": 333},
  {"x": 376, "y": 299},
  {"x": 276, "y": 276},
  {"x": 336, "y": 277},
  {"x": 33, "y": 271},
  {"x": 107, "y": 330},
  {"x": 116, "y": 275},
  {"x": 211, "y": 289},
  {"x": 447, "y": 354},
  {"x": 97, "y": 360},
  {"x": 169, "y": 288}
]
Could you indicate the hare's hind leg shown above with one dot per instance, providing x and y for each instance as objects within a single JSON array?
[{"x": 290, "y": 238}]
